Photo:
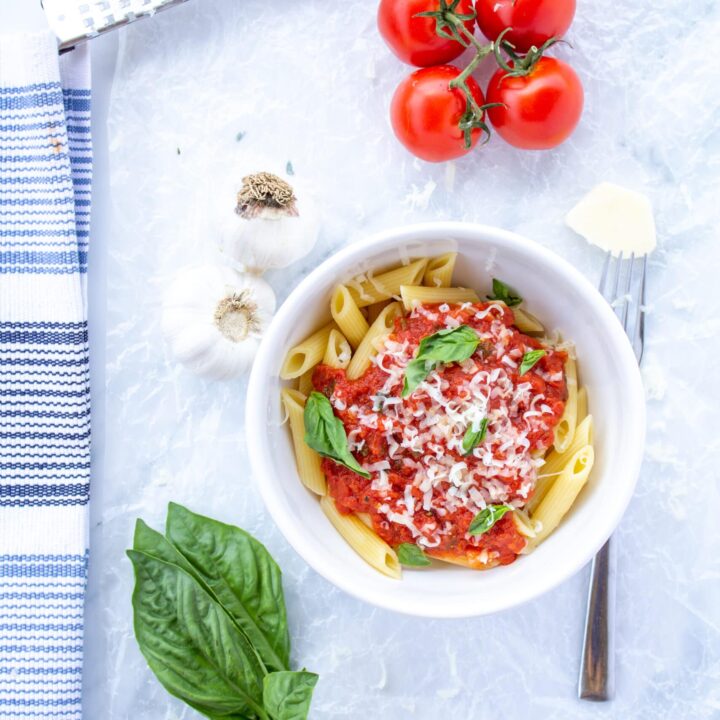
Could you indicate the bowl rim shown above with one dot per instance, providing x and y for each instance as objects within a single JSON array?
[{"x": 375, "y": 243}]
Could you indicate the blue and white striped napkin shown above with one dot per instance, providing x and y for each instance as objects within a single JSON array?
[{"x": 45, "y": 176}]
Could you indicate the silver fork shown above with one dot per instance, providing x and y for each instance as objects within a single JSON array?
[{"x": 624, "y": 288}]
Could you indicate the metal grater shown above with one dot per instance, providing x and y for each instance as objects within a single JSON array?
[{"x": 75, "y": 22}]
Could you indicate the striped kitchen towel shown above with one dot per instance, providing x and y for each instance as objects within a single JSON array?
[{"x": 45, "y": 174}]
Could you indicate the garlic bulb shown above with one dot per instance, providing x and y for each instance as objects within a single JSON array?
[
  {"x": 213, "y": 319},
  {"x": 274, "y": 223}
]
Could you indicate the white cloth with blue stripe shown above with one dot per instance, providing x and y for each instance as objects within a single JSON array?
[{"x": 45, "y": 176}]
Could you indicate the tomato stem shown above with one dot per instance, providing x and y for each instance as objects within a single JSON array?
[
  {"x": 519, "y": 65},
  {"x": 472, "y": 118}
]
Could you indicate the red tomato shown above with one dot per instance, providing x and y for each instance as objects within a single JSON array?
[
  {"x": 425, "y": 113},
  {"x": 541, "y": 109},
  {"x": 532, "y": 21},
  {"x": 413, "y": 39}
]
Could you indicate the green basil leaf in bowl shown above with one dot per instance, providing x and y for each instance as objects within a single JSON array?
[
  {"x": 411, "y": 555},
  {"x": 449, "y": 345},
  {"x": 325, "y": 433}
]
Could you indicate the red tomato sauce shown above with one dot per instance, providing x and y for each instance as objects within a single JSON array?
[{"x": 522, "y": 411}]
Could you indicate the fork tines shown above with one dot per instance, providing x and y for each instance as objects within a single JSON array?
[{"x": 622, "y": 284}]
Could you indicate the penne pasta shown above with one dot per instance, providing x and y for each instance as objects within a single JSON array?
[
  {"x": 347, "y": 315},
  {"x": 525, "y": 526},
  {"x": 439, "y": 270},
  {"x": 527, "y": 323},
  {"x": 565, "y": 429},
  {"x": 386, "y": 285},
  {"x": 417, "y": 294},
  {"x": 338, "y": 351},
  {"x": 305, "y": 383},
  {"x": 369, "y": 546},
  {"x": 368, "y": 347},
  {"x": 375, "y": 309},
  {"x": 308, "y": 461},
  {"x": 306, "y": 354},
  {"x": 582, "y": 403},
  {"x": 555, "y": 462},
  {"x": 562, "y": 494}
]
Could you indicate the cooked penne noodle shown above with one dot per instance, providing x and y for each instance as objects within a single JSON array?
[
  {"x": 387, "y": 285},
  {"x": 562, "y": 494},
  {"x": 338, "y": 351},
  {"x": 308, "y": 461},
  {"x": 543, "y": 483},
  {"x": 440, "y": 270},
  {"x": 565, "y": 429},
  {"x": 555, "y": 462},
  {"x": 305, "y": 383},
  {"x": 347, "y": 315},
  {"x": 417, "y": 294},
  {"x": 525, "y": 526},
  {"x": 367, "y": 349},
  {"x": 375, "y": 309},
  {"x": 582, "y": 403},
  {"x": 527, "y": 323},
  {"x": 373, "y": 550},
  {"x": 306, "y": 354}
]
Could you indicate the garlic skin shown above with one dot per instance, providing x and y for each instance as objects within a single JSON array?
[
  {"x": 213, "y": 319},
  {"x": 275, "y": 222}
]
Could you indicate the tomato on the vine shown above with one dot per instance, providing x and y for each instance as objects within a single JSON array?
[
  {"x": 426, "y": 113},
  {"x": 539, "y": 110},
  {"x": 415, "y": 39},
  {"x": 533, "y": 22}
]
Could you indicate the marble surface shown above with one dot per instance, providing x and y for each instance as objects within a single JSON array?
[{"x": 309, "y": 82}]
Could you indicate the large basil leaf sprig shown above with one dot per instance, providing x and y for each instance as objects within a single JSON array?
[
  {"x": 451, "y": 345},
  {"x": 209, "y": 616}
]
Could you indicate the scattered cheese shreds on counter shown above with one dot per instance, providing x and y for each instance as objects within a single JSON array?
[{"x": 615, "y": 219}]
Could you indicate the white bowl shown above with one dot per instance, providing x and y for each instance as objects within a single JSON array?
[{"x": 562, "y": 298}]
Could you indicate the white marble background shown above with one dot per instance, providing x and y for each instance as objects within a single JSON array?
[{"x": 309, "y": 82}]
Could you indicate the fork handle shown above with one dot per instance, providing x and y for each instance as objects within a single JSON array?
[{"x": 595, "y": 669}]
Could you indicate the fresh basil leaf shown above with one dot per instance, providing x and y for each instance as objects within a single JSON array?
[
  {"x": 287, "y": 695},
  {"x": 530, "y": 359},
  {"x": 412, "y": 555},
  {"x": 193, "y": 647},
  {"x": 240, "y": 575},
  {"x": 450, "y": 345},
  {"x": 505, "y": 293},
  {"x": 486, "y": 518},
  {"x": 473, "y": 437},
  {"x": 415, "y": 372},
  {"x": 325, "y": 433},
  {"x": 151, "y": 542}
]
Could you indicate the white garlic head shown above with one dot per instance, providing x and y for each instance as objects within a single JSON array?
[
  {"x": 274, "y": 223},
  {"x": 214, "y": 317}
]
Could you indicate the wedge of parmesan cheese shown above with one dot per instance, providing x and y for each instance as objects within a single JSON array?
[{"x": 615, "y": 219}]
